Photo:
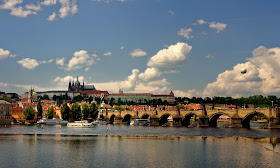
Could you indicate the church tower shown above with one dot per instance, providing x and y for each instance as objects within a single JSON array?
[
  {"x": 30, "y": 95},
  {"x": 77, "y": 85}
]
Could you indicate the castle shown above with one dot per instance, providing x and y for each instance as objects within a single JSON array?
[{"x": 76, "y": 87}]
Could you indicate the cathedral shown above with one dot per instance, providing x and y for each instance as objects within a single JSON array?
[{"x": 76, "y": 87}]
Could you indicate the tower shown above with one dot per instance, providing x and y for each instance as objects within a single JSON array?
[
  {"x": 77, "y": 85},
  {"x": 30, "y": 95}
]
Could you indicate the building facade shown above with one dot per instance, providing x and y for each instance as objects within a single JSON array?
[{"x": 5, "y": 112}]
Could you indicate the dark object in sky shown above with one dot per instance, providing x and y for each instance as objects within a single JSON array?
[{"x": 243, "y": 71}]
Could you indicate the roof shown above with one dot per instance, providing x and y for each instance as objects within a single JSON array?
[
  {"x": 92, "y": 92},
  {"x": 4, "y": 102},
  {"x": 16, "y": 116},
  {"x": 124, "y": 94}
]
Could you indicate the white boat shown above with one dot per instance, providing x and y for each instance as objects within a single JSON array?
[
  {"x": 99, "y": 121},
  {"x": 140, "y": 122},
  {"x": 52, "y": 121},
  {"x": 80, "y": 124}
]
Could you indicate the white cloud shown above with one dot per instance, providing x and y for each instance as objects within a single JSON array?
[
  {"x": 80, "y": 59},
  {"x": 159, "y": 83},
  {"x": 4, "y": 53},
  {"x": 68, "y": 7},
  {"x": 48, "y": 2},
  {"x": 185, "y": 33},
  {"x": 150, "y": 74},
  {"x": 29, "y": 63},
  {"x": 63, "y": 81},
  {"x": 173, "y": 56},
  {"x": 46, "y": 62},
  {"x": 218, "y": 26},
  {"x": 190, "y": 93},
  {"x": 262, "y": 76},
  {"x": 122, "y": 47},
  {"x": 171, "y": 72},
  {"x": 171, "y": 12},
  {"x": 200, "y": 21},
  {"x": 9, "y": 4},
  {"x": 52, "y": 17},
  {"x": 107, "y": 54},
  {"x": 60, "y": 61},
  {"x": 138, "y": 53},
  {"x": 20, "y": 12},
  {"x": 209, "y": 56},
  {"x": 33, "y": 7}
]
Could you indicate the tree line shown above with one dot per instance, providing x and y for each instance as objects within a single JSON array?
[
  {"x": 76, "y": 112},
  {"x": 256, "y": 100}
]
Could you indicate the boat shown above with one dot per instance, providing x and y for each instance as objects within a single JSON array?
[
  {"x": 53, "y": 121},
  {"x": 80, "y": 124},
  {"x": 140, "y": 122},
  {"x": 99, "y": 121}
]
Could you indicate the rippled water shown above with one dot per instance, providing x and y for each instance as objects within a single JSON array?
[
  {"x": 136, "y": 146},
  {"x": 140, "y": 131}
]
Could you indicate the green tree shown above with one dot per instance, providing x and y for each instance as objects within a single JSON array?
[
  {"x": 118, "y": 108},
  {"x": 50, "y": 112},
  {"x": 65, "y": 111},
  {"x": 111, "y": 102},
  {"x": 76, "y": 112},
  {"x": 78, "y": 98},
  {"x": 39, "y": 109},
  {"x": 97, "y": 99},
  {"x": 45, "y": 97},
  {"x": 29, "y": 113},
  {"x": 93, "y": 110},
  {"x": 85, "y": 111}
]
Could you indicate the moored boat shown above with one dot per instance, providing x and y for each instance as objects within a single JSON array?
[
  {"x": 140, "y": 122},
  {"x": 80, "y": 124},
  {"x": 53, "y": 121}
]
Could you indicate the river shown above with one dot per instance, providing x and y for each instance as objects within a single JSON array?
[{"x": 137, "y": 146}]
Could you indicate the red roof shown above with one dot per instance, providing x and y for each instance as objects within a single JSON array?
[
  {"x": 119, "y": 94},
  {"x": 93, "y": 92}
]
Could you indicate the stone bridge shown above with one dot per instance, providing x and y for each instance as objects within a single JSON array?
[{"x": 206, "y": 118}]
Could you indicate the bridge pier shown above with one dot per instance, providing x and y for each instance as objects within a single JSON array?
[
  {"x": 118, "y": 120},
  {"x": 203, "y": 121},
  {"x": 236, "y": 122},
  {"x": 177, "y": 121},
  {"x": 154, "y": 121}
]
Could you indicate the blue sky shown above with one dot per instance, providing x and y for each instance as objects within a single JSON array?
[{"x": 195, "y": 48}]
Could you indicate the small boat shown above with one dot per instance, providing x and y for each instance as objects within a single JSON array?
[
  {"x": 99, "y": 121},
  {"x": 80, "y": 124},
  {"x": 53, "y": 121},
  {"x": 140, "y": 122}
]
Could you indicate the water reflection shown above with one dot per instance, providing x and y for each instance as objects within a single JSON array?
[{"x": 137, "y": 151}]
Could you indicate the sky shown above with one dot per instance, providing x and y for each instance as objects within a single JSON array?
[{"x": 192, "y": 47}]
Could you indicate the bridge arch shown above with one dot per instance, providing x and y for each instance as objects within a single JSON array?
[
  {"x": 112, "y": 119},
  {"x": 164, "y": 118},
  {"x": 127, "y": 119},
  {"x": 214, "y": 118},
  {"x": 145, "y": 116},
  {"x": 187, "y": 118},
  {"x": 246, "y": 120}
]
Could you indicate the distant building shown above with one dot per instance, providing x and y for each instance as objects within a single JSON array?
[
  {"x": 76, "y": 87},
  {"x": 170, "y": 98},
  {"x": 141, "y": 97},
  {"x": 5, "y": 112}
]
